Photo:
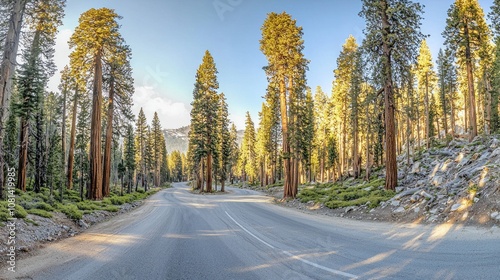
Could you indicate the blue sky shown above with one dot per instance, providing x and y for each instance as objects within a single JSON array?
[{"x": 168, "y": 39}]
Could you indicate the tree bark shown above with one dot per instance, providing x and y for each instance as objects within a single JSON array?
[
  {"x": 95, "y": 133},
  {"x": 427, "y": 117},
  {"x": 7, "y": 68},
  {"x": 23, "y": 155},
  {"x": 106, "y": 174},
  {"x": 287, "y": 188},
  {"x": 71, "y": 154},
  {"x": 470, "y": 82},
  {"x": 391, "y": 179},
  {"x": 63, "y": 136}
]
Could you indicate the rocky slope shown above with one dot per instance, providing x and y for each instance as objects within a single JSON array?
[{"x": 457, "y": 183}]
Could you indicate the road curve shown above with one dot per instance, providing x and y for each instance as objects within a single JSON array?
[{"x": 242, "y": 235}]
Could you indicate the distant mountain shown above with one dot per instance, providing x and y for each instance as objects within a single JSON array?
[{"x": 177, "y": 139}]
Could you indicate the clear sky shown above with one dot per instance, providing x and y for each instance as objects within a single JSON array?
[{"x": 169, "y": 37}]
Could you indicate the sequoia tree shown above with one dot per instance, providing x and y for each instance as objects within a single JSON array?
[
  {"x": 392, "y": 37},
  {"x": 93, "y": 42},
  {"x": 282, "y": 45}
]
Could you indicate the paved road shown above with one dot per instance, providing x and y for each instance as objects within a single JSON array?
[{"x": 242, "y": 235}]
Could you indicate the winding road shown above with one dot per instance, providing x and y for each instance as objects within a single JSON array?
[{"x": 242, "y": 235}]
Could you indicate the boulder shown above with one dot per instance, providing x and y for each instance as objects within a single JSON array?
[
  {"x": 416, "y": 167},
  {"x": 399, "y": 210},
  {"x": 455, "y": 207}
]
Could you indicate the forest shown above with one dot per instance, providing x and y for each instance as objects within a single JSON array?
[{"x": 390, "y": 97}]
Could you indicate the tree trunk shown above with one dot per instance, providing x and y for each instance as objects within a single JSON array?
[
  {"x": 355, "y": 147},
  {"x": 287, "y": 188},
  {"x": 95, "y": 133},
  {"x": 7, "y": 68},
  {"x": 487, "y": 106},
  {"x": 71, "y": 154},
  {"x": 63, "y": 139},
  {"x": 391, "y": 167},
  {"x": 427, "y": 117},
  {"x": 23, "y": 155},
  {"x": 209, "y": 172},
  {"x": 106, "y": 174},
  {"x": 470, "y": 82}
]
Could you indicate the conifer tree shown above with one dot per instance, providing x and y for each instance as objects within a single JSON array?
[
  {"x": 248, "y": 155},
  {"x": 157, "y": 140},
  {"x": 224, "y": 141},
  {"x": 466, "y": 31},
  {"x": 282, "y": 45},
  {"x": 35, "y": 71},
  {"x": 119, "y": 82},
  {"x": 8, "y": 64},
  {"x": 203, "y": 134},
  {"x": 129, "y": 156},
  {"x": 426, "y": 76},
  {"x": 392, "y": 37},
  {"x": 94, "y": 40},
  {"x": 141, "y": 135}
]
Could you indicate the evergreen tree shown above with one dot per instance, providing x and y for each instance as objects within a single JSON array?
[
  {"x": 203, "y": 134},
  {"x": 392, "y": 37},
  {"x": 322, "y": 127},
  {"x": 35, "y": 71},
  {"x": 157, "y": 140},
  {"x": 82, "y": 139},
  {"x": 426, "y": 76},
  {"x": 224, "y": 141},
  {"x": 175, "y": 163},
  {"x": 95, "y": 39},
  {"x": 129, "y": 156},
  {"x": 248, "y": 155},
  {"x": 8, "y": 64},
  {"x": 141, "y": 135},
  {"x": 120, "y": 89},
  {"x": 466, "y": 31},
  {"x": 282, "y": 45}
]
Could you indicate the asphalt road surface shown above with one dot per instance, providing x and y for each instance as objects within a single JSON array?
[{"x": 242, "y": 235}]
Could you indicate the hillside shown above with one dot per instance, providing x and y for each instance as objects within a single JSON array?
[
  {"x": 458, "y": 183},
  {"x": 177, "y": 139}
]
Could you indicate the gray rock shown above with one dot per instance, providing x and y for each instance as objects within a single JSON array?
[
  {"x": 416, "y": 209},
  {"x": 395, "y": 203},
  {"x": 82, "y": 224},
  {"x": 399, "y": 210},
  {"x": 406, "y": 193},
  {"x": 455, "y": 207},
  {"x": 494, "y": 143},
  {"x": 495, "y": 153},
  {"x": 433, "y": 211},
  {"x": 416, "y": 167},
  {"x": 437, "y": 180},
  {"x": 414, "y": 198},
  {"x": 495, "y": 215},
  {"x": 349, "y": 209},
  {"x": 426, "y": 195}
]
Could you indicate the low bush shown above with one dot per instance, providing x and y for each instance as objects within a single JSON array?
[{"x": 40, "y": 212}]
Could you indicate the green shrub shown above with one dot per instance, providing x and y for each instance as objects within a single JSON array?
[
  {"x": 111, "y": 208},
  {"x": 71, "y": 211},
  {"x": 40, "y": 212},
  {"x": 20, "y": 212},
  {"x": 31, "y": 222},
  {"x": 88, "y": 205}
]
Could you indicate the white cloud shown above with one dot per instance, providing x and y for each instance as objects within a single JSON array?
[
  {"x": 172, "y": 114},
  {"x": 61, "y": 57}
]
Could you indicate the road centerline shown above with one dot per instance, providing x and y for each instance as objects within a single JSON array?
[{"x": 313, "y": 264}]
